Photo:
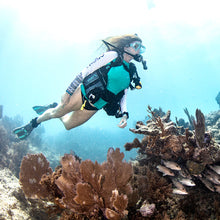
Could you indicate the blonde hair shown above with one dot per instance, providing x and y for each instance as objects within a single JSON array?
[{"x": 122, "y": 41}]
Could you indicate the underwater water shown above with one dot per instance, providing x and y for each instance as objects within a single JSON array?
[
  {"x": 40, "y": 56},
  {"x": 175, "y": 173}
]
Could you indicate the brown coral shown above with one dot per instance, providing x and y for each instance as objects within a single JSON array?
[
  {"x": 85, "y": 188},
  {"x": 49, "y": 181},
  {"x": 199, "y": 125},
  {"x": 33, "y": 167},
  {"x": 152, "y": 187},
  {"x": 68, "y": 180},
  {"x": 172, "y": 147},
  {"x": 135, "y": 144},
  {"x": 103, "y": 181}
]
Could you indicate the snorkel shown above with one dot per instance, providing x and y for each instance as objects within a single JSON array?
[{"x": 137, "y": 57}]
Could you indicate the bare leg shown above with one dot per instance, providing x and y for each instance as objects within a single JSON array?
[
  {"x": 77, "y": 118},
  {"x": 73, "y": 105},
  {"x": 73, "y": 120}
]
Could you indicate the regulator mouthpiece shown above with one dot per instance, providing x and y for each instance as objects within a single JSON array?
[{"x": 139, "y": 58}]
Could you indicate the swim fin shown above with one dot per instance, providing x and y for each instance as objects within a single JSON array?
[
  {"x": 40, "y": 109},
  {"x": 24, "y": 131}
]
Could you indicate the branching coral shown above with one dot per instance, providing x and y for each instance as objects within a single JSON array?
[
  {"x": 85, "y": 188},
  {"x": 190, "y": 117},
  {"x": 163, "y": 139},
  {"x": 135, "y": 144},
  {"x": 199, "y": 125}
]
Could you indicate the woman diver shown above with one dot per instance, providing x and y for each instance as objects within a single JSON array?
[{"x": 102, "y": 84}]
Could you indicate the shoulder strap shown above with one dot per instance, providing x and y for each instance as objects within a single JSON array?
[{"x": 118, "y": 61}]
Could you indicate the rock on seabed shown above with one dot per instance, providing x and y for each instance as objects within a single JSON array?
[
  {"x": 13, "y": 204},
  {"x": 11, "y": 207}
]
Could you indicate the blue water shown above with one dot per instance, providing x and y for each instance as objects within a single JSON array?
[{"x": 36, "y": 68}]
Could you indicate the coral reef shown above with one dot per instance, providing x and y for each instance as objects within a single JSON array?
[
  {"x": 213, "y": 124},
  {"x": 184, "y": 165},
  {"x": 82, "y": 188},
  {"x": 11, "y": 151},
  {"x": 176, "y": 175},
  {"x": 152, "y": 192},
  {"x": 165, "y": 140},
  {"x": 14, "y": 205}
]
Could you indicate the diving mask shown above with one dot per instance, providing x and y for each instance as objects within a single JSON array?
[
  {"x": 137, "y": 45},
  {"x": 136, "y": 57}
]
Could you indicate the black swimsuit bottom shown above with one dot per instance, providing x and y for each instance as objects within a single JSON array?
[{"x": 87, "y": 104}]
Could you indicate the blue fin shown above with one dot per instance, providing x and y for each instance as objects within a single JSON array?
[
  {"x": 40, "y": 109},
  {"x": 24, "y": 131}
]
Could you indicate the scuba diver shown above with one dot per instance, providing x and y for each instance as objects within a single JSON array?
[{"x": 103, "y": 84}]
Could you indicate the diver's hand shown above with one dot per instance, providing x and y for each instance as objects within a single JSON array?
[
  {"x": 123, "y": 122},
  {"x": 65, "y": 98}
]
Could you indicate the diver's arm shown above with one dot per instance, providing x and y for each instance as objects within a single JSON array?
[
  {"x": 123, "y": 102},
  {"x": 96, "y": 64},
  {"x": 99, "y": 62},
  {"x": 74, "y": 84},
  {"x": 123, "y": 105}
]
